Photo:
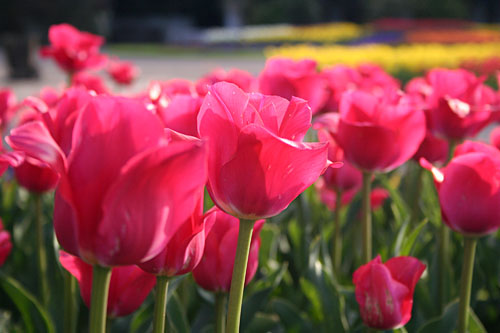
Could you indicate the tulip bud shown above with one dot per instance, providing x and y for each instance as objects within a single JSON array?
[
  {"x": 384, "y": 291},
  {"x": 215, "y": 270}
]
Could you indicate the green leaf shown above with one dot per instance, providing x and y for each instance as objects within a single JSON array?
[
  {"x": 252, "y": 305},
  {"x": 396, "y": 197},
  {"x": 445, "y": 323},
  {"x": 290, "y": 315},
  {"x": 31, "y": 310},
  {"x": 429, "y": 200},
  {"x": 142, "y": 319},
  {"x": 314, "y": 298},
  {"x": 176, "y": 315},
  {"x": 475, "y": 325},
  {"x": 412, "y": 237}
]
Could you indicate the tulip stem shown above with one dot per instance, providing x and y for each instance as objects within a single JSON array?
[
  {"x": 70, "y": 305},
  {"x": 99, "y": 298},
  {"x": 239, "y": 274},
  {"x": 466, "y": 283},
  {"x": 337, "y": 234},
  {"x": 220, "y": 312},
  {"x": 160, "y": 315},
  {"x": 367, "y": 217},
  {"x": 41, "y": 252},
  {"x": 443, "y": 268}
]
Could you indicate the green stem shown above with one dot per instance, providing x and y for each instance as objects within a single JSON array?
[
  {"x": 466, "y": 283},
  {"x": 41, "y": 254},
  {"x": 220, "y": 312},
  {"x": 70, "y": 305},
  {"x": 416, "y": 195},
  {"x": 160, "y": 315},
  {"x": 99, "y": 298},
  {"x": 337, "y": 234},
  {"x": 238, "y": 278},
  {"x": 367, "y": 217},
  {"x": 443, "y": 268}
]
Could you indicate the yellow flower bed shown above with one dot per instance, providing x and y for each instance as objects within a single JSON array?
[{"x": 412, "y": 57}]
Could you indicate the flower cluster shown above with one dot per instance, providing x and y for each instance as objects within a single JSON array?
[{"x": 130, "y": 176}]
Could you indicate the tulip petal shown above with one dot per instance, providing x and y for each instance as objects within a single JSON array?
[
  {"x": 105, "y": 124},
  {"x": 267, "y": 173},
  {"x": 35, "y": 141},
  {"x": 159, "y": 185},
  {"x": 406, "y": 270}
]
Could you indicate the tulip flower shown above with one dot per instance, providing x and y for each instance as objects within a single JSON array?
[
  {"x": 384, "y": 291},
  {"x": 469, "y": 192},
  {"x": 494, "y": 137},
  {"x": 7, "y": 106},
  {"x": 97, "y": 215},
  {"x": 214, "y": 272},
  {"x": 243, "y": 79},
  {"x": 377, "y": 135},
  {"x": 74, "y": 50},
  {"x": 460, "y": 104},
  {"x": 5, "y": 244},
  {"x": 288, "y": 78},
  {"x": 122, "y": 72},
  {"x": 257, "y": 163},
  {"x": 128, "y": 288},
  {"x": 180, "y": 114},
  {"x": 89, "y": 81}
]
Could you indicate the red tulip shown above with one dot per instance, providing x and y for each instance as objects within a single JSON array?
[
  {"x": 128, "y": 288},
  {"x": 257, "y": 163},
  {"x": 122, "y": 72},
  {"x": 433, "y": 149},
  {"x": 384, "y": 292},
  {"x": 459, "y": 103},
  {"x": 495, "y": 137},
  {"x": 90, "y": 82},
  {"x": 288, "y": 78},
  {"x": 469, "y": 189},
  {"x": 7, "y": 104},
  {"x": 243, "y": 79},
  {"x": 180, "y": 114},
  {"x": 368, "y": 78},
  {"x": 347, "y": 177},
  {"x": 5, "y": 244},
  {"x": 215, "y": 270},
  {"x": 117, "y": 206},
  {"x": 35, "y": 176},
  {"x": 72, "y": 49},
  {"x": 184, "y": 250},
  {"x": 378, "y": 134}
]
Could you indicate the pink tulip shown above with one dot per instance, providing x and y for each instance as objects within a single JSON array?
[
  {"x": 128, "y": 288},
  {"x": 89, "y": 81},
  {"x": 35, "y": 176},
  {"x": 122, "y": 72},
  {"x": 469, "y": 189},
  {"x": 384, "y": 291},
  {"x": 369, "y": 78},
  {"x": 347, "y": 177},
  {"x": 378, "y": 134},
  {"x": 459, "y": 103},
  {"x": 495, "y": 137},
  {"x": 5, "y": 244},
  {"x": 215, "y": 270},
  {"x": 72, "y": 49},
  {"x": 288, "y": 78},
  {"x": 257, "y": 163},
  {"x": 180, "y": 114},
  {"x": 243, "y": 79},
  {"x": 7, "y": 106},
  {"x": 117, "y": 206},
  {"x": 185, "y": 249}
]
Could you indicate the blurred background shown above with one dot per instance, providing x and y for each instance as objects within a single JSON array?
[{"x": 188, "y": 38}]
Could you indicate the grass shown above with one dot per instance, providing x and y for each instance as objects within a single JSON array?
[{"x": 160, "y": 50}]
